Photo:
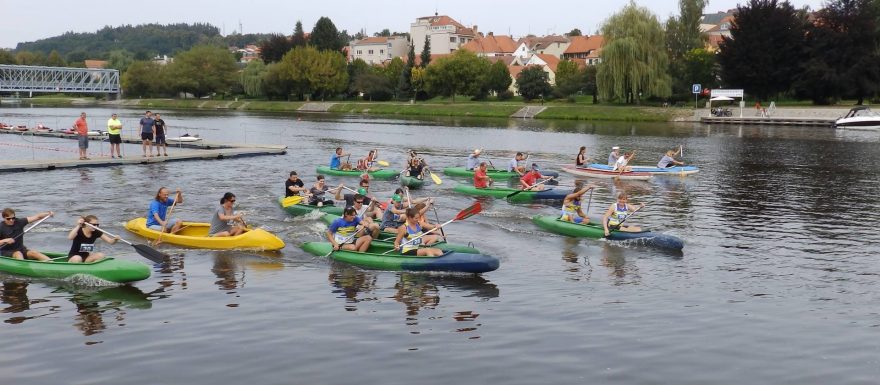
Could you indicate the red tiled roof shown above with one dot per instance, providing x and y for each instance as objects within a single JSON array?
[
  {"x": 506, "y": 59},
  {"x": 541, "y": 42},
  {"x": 584, "y": 44},
  {"x": 434, "y": 57},
  {"x": 372, "y": 40},
  {"x": 96, "y": 64},
  {"x": 491, "y": 44},
  {"x": 552, "y": 61}
]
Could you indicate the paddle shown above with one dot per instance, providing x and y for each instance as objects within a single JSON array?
[
  {"x": 437, "y": 216},
  {"x": 617, "y": 228},
  {"x": 434, "y": 177},
  {"x": 144, "y": 250},
  {"x": 408, "y": 198},
  {"x": 350, "y": 237},
  {"x": 530, "y": 187},
  {"x": 291, "y": 200},
  {"x": 168, "y": 217},
  {"x": 383, "y": 163},
  {"x": 37, "y": 223},
  {"x": 462, "y": 215}
]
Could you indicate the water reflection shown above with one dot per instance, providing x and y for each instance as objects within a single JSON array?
[
  {"x": 578, "y": 270},
  {"x": 349, "y": 283},
  {"x": 14, "y": 294},
  {"x": 613, "y": 257}
]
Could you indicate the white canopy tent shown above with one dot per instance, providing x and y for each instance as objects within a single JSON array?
[{"x": 727, "y": 95}]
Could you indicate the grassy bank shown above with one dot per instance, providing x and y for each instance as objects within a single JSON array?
[{"x": 432, "y": 108}]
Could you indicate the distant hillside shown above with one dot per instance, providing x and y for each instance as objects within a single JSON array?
[{"x": 144, "y": 41}]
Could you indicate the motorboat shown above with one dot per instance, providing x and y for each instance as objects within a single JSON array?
[{"x": 859, "y": 117}]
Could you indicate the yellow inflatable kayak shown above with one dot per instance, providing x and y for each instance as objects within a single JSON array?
[{"x": 195, "y": 234}]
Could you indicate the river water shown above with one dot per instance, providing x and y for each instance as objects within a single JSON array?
[{"x": 777, "y": 283}]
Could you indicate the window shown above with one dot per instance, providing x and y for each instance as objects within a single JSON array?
[
  {"x": 360, "y": 52},
  {"x": 452, "y": 39},
  {"x": 370, "y": 52},
  {"x": 381, "y": 52}
]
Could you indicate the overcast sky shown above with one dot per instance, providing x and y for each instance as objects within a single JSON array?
[{"x": 26, "y": 21}]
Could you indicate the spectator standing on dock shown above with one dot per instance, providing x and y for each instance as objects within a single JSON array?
[
  {"x": 114, "y": 132},
  {"x": 147, "y": 123},
  {"x": 159, "y": 131},
  {"x": 82, "y": 136}
]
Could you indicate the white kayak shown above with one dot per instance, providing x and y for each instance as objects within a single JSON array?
[
  {"x": 184, "y": 139},
  {"x": 594, "y": 173}
]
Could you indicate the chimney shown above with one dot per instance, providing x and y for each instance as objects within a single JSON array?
[
  {"x": 491, "y": 33},
  {"x": 476, "y": 31}
]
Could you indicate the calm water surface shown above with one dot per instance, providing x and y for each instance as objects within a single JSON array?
[{"x": 777, "y": 283}]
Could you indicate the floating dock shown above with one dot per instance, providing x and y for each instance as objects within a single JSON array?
[
  {"x": 199, "y": 150},
  {"x": 768, "y": 121}
]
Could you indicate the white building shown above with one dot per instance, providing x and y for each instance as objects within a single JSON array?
[
  {"x": 377, "y": 50},
  {"x": 446, "y": 34}
]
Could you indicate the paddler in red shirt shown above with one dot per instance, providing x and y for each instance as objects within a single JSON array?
[
  {"x": 481, "y": 180},
  {"x": 529, "y": 180}
]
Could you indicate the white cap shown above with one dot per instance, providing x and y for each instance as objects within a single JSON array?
[{"x": 615, "y": 148}]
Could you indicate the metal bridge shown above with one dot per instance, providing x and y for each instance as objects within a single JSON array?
[{"x": 15, "y": 78}]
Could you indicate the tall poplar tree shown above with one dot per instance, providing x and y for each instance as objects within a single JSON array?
[
  {"x": 426, "y": 52},
  {"x": 299, "y": 36},
  {"x": 634, "y": 60},
  {"x": 325, "y": 36}
]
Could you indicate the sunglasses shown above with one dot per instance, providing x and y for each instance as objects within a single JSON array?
[
  {"x": 232, "y": 200},
  {"x": 95, "y": 224},
  {"x": 8, "y": 218},
  {"x": 358, "y": 201}
]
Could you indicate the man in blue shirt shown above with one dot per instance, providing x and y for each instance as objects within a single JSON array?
[
  {"x": 473, "y": 160},
  {"x": 157, "y": 215},
  {"x": 342, "y": 232},
  {"x": 336, "y": 159},
  {"x": 147, "y": 123}
]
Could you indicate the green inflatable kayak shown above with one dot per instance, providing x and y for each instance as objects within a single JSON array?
[
  {"x": 505, "y": 192},
  {"x": 374, "y": 258},
  {"x": 411, "y": 182},
  {"x": 108, "y": 269},
  {"x": 302, "y": 208},
  {"x": 494, "y": 174},
  {"x": 382, "y": 174},
  {"x": 386, "y": 240},
  {"x": 553, "y": 224}
]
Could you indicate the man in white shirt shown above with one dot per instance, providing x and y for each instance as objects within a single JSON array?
[{"x": 514, "y": 166}]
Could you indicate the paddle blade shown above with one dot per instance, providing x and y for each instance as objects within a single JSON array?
[
  {"x": 290, "y": 201},
  {"x": 150, "y": 253},
  {"x": 436, "y": 178},
  {"x": 469, "y": 212},
  {"x": 383, "y": 163}
]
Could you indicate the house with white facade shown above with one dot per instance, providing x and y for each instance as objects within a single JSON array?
[
  {"x": 377, "y": 50},
  {"x": 549, "y": 45},
  {"x": 588, "y": 48},
  {"x": 446, "y": 34}
]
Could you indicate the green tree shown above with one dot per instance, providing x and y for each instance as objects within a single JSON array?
[
  {"x": 766, "y": 46},
  {"x": 404, "y": 83},
  {"x": 569, "y": 78},
  {"x": 683, "y": 36},
  {"x": 498, "y": 79},
  {"x": 6, "y": 57},
  {"x": 203, "y": 70},
  {"x": 392, "y": 71},
  {"x": 77, "y": 58},
  {"x": 274, "y": 48},
  {"x": 325, "y": 36},
  {"x": 28, "y": 58},
  {"x": 384, "y": 33},
  {"x": 634, "y": 60},
  {"x": 574, "y": 32},
  {"x": 299, "y": 36},
  {"x": 119, "y": 59},
  {"x": 356, "y": 68},
  {"x": 252, "y": 78},
  {"x": 55, "y": 60},
  {"x": 533, "y": 83},
  {"x": 842, "y": 52},
  {"x": 277, "y": 82},
  {"x": 140, "y": 79},
  {"x": 316, "y": 73},
  {"x": 700, "y": 66},
  {"x": 591, "y": 86},
  {"x": 426, "y": 52},
  {"x": 460, "y": 73},
  {"x": 417, "y": 80},
  {"x": 375, "y": 87}
]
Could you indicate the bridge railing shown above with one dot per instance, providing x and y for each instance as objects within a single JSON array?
[{"x": 16, "y": 78}]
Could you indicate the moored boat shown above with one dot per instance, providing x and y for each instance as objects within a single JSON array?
[
  {"x": 595, "y": 173},
  {"x": 411, "y": 182},
  {"x": 386, "y": 240},
  {"x": 381, "y": 174},
  {"x": 303, "y": 208},
  {"x": 374, "y": 258},
  {"x": 504, "y": 192},
  {"x": 859, "y": 117},
  {"x": 656, "y": 171},
  {"x": 195, "y": 234},
  {"x": 553, "y": 224},
  {"x": 108, "y": 269},
  {"x": 494, "y": 174}
]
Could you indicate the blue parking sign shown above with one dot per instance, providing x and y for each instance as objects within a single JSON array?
[{"x": 696, "y": 88}]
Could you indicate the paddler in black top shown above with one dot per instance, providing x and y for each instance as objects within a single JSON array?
[
  {"x": 12, "y": 236},
  {"x": 84, "y": 237},
  {"x": 316, "y": 193},
  {"x": 293, "y": 186}
]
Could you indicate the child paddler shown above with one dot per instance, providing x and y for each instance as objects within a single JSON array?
[
  {"x": 572, "y": 210},
  {"x": 343, "y": 232},
  {"x": 617, "y": 213},
  {"x": 412, "y": 234}
]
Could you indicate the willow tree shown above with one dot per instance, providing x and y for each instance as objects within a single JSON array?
[
  {"x": 252, "y": 78},
  {"x": 634, "y": 60}
]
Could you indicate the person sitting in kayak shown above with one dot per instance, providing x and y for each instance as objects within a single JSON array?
[
  {"x": 473, "y": 160},
  {"x": 481, "y": 180},
  {"x": 623, "y": 161},
  {"x": 293, "y": 186},
  {"x": 84, "y": 237},
  {"x": 316, "y": 193},
  {"x": 343, "y": 232},
  {"x": 529, "y": 180},
  {"x": 415, "y": 168},
  {"x": 514, "y": 164},
  {"x": 367, "y": 213},
  {"x": 12, "y": 236},
  {"x": 336, "y": 162},
  {"x": 571, "y": 205},
  {"x": 668, "y": 160},
  {"x": 367, "y": 163},
  {"x": 412, "y": 234},
  {"x": 617, "y": 213},
  {"x": 394, "y": 214},
  {"x": 156, "y": 215},
  {"x": 225, "y": 222},
  {"x": 615, "y": 154},
  {"x": 581, "y": 159}
]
